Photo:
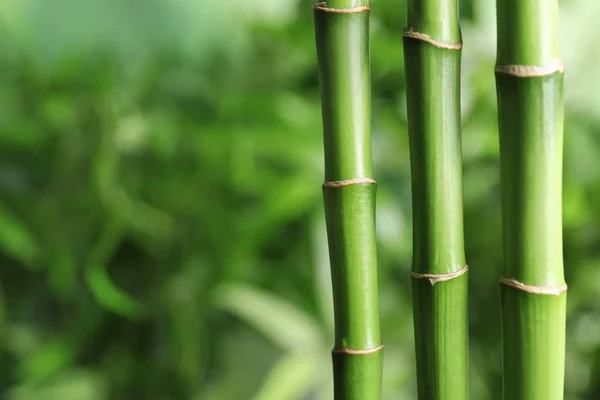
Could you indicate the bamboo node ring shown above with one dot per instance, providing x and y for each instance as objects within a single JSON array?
[
  {"x": 410, "y": 33},
  {"x": 531, "y": 71},
  {"x": 348, "y": 182},
  {"x": 551, "y": 290},
  {"x": 353, "y": 352},
  {"x": 354, "y": 10},
  {"x": 435, "y": 278}
]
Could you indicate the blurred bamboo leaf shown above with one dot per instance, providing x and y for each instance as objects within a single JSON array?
[
  {"x": 16, "y": 239},
  {"x": 140, "y": 216},
  {"x": 278, "y": 320},
  {"x": 109, "y": 295},
  {"x": 62, "y": 273},
  {"x": 292, "y": 377},
  {"x": 47, "y": 361},
  {"x": 284, "y": 202},
  {"x": 76, "y": 384},
  {"x": 21, "y": 340}
]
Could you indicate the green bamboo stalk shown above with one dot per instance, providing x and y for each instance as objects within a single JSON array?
[
  {"x": 529, "y": 84},
  {"x": 342, "y": 35},
  {"x": 432, "y": 44}
]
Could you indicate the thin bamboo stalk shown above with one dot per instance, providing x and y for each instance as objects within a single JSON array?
[
  {"x": 529, "y": 84},
  {"x": 432, "y": 44},
  {"x": 342, "y": 34}
]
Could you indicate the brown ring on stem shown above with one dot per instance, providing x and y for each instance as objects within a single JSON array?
[
  {"x": 531, "y": 71},
  {"x": 348, "y": 182},
  {"x": 410, "y": 33},
  {"x": 353, "y": 10},
  {"x": 343, "y": 350},
  {"x": 435, "y": 278},
  {"x": 551, "y": 290}
]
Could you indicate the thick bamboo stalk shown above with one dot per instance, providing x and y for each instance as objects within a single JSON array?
[
  {"x": 432, "y": 45},
  {"x": 529, "y": 79},
  {"x": 342, "y": 34}
]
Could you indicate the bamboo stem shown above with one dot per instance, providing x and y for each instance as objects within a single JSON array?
[
  {"x": 342, "y": 34},
  {"x": 432, "y": 46},
  {"x": 529, "y": 83}
]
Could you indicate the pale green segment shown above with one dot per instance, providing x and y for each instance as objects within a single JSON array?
[
  {"x": 343, "y": 50},
  {"x": 441, "y": 332},
  {"x": 527, "y": 32},
  {"x": 533, "y": 327},
  {"x": 436, "y": 18},
  {"x": 361, "y": 375},
  {"x": 341, "y": 4},
  {"x": 530, "y": 114},
  {"x": 433, "y": 102},
  {"x": 350, "y": 213}
]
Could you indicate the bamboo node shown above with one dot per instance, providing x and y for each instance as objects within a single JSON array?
[
  {"x": 531, "y": 71},
  {"x": 435, "y": 278},
  {"x": 410, "y": 33},
  {"x": 355, "y": 352},
  {"x": 348, "y": 182},
  {"x": 354, "y": 10},
  {"x": 551, "y": 290}
]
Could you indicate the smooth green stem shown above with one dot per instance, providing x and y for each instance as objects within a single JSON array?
[
  {"x": 527, "y": 33},
  {"x": 345, "y": 4},
  {"x": 530, "y": 122},
  {"x": 441, "y": 329},
  {"x": 533, "y": 329},
  {"x": 349, "y": 197},
  {"x": 436, "y": 18},
  {"x": 433, "y": 102},
  {"x": 343, "y": 55},
  {"x": 530, "y": 116}
]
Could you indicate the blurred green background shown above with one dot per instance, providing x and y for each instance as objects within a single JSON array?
[{"x": 161, "y": 225}]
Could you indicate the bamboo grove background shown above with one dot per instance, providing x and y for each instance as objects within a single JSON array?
[{"x": 161, "y": 223}]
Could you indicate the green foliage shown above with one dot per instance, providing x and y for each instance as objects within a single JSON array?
[{"x": 166, "y": 161}]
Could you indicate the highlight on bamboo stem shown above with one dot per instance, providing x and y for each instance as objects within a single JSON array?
[
  {"x": 342, "y": 36},
  {"x": 529, "y": 85},
  {"x": 432, "y": 52}
]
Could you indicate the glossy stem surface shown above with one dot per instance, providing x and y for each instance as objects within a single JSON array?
[
  {"x": 349, "y": 197},
  {"x": 432, "y": 63},
  {"x": 530, "y": 117},
  {"x": 433, "y": 103}
]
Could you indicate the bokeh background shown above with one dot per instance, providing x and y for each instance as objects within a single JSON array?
[{"x": 161, "y": 225}]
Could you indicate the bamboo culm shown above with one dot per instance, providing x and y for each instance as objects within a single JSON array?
[
  {"x": 529, "y": 85},
  {"x": 432, "y": 52},
  {"x": 342, "y": 36}
]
